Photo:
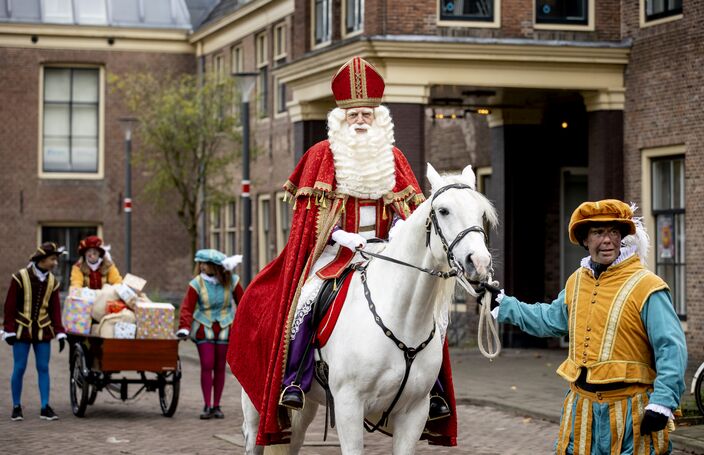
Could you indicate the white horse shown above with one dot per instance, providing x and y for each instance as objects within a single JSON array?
[{"x": 366, "y": 368}]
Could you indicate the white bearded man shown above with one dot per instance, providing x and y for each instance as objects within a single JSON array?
[{"x": 346, "y": 190}]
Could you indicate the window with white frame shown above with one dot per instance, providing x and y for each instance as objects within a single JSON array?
[
  {"x": 668, "y": 209},
  {"x": 231, "y": 229},
  {"x": 354, "y": 16},
  {"x": 237, "y": 59},
  {"x": 69, "y": 237},
  {"x": 562, "y": 12},
  {"x": 659, "y": 9},
  {"x": 263, "y": 92},
  {"x": 283, "y": 221},
  {"x": 266, "y": 244},
  {"x": 322, "y": 19},
  {"x": 216, "y": 227},
  {"x": 71, "y": 116},
  {"x": 280, "y": 42},
  {"x": 280, "y": 97},
  {"x": 262, "y": 51},
  {"x": 467, "y": 10}
]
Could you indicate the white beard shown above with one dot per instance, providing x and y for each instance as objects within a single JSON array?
[{"x": 364, "y": 162}]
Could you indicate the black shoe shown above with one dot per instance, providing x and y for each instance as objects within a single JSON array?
[
  {"x": 206, "y": 414},
  {"x": 17, "y": 413},
  {"x": 292, "y": 397},
  {"x": 48, "y": 414},
  {"x": 217, "y": 413},
  {"x": 438, "y": 408}
]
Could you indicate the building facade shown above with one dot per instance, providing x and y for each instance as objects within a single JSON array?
[{"x": 553, "y": 102}]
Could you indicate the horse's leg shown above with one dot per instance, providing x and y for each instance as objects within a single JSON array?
[
  {"x": 408, "y": 427},
  {"x": 249, "y": 426},
  {"x": 349, "y": 419},
  {"x": 299, "y": 424}
]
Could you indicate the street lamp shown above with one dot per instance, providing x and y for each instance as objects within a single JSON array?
[
  {"x": 245, "y": 83},
  {"x": 127, "y": 123}
]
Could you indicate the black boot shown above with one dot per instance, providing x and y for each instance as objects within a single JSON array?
[
  {"x": 207, "y": 413},
  {"x": 438, "y": 408},
  {"x": 292, "y": 397}
]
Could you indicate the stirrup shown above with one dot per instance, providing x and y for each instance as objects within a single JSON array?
[
  {"x": 441, "y": 416},
  {"x": 283, "y": 392}
]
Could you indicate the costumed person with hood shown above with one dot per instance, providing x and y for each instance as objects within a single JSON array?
[
  {"x": 32, "y": 320},
  {"x": 207, "y": 312},
  {"x": 94, "y": 268},
  {"x": 345, "y": 190},
  {"x": 627, "y": 353}
]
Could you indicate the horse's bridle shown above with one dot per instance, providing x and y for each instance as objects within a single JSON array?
[{"x": 432, "y": 222}]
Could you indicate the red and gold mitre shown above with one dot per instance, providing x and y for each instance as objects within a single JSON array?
[{"x": 357, "y": 84}]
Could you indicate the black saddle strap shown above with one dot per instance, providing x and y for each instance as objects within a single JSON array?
[
  {"x": 321, "y": 375},
  {"x": 409, "y": 354}
]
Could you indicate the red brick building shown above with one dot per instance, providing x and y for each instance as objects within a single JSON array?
[{"x": 586, "y": 99}]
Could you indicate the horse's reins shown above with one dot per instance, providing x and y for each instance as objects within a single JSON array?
[{"x": 455, "y": 271}]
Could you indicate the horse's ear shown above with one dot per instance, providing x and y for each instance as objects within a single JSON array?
[
  {"x": 468, "y": 174},
  {"x": 433, "y": 177}
]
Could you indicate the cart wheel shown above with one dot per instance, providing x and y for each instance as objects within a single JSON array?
[
  {"x": 699, "y": 393},
  {"x": 169, "y": 388},
  {"x": 93, "y": 394},
  {"x": 79, "y": 386}
]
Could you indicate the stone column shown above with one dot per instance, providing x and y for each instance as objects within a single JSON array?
[
  {"x": 409, "y": 132},
  {"x": 605, "y": 116}
]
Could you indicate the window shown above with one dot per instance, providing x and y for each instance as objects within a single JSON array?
[
  {"x": 68, "y": 236},
  {"x": 562, "y": 12},
  {"x": 266, "y": 245},
  {"x": 219, "y": 68},
  {"x": 216, "y": 228},
  {"x": 467, "y": 10},
  {"x": 262, "y": 54},
  {"x": 70, "y": 121},
  {"x": 231, "y": 230},
  {"x": 237, "y": 59},
  {"x": 659, "y": 9},
  {"x": 354, "y": 16},
  {"x": 283, "y": 221},
  {"x": 322, "y": 19},
  {"x": 280, "y": 97},
  {"x": 668, "y": 209},
  {"x": 280, "y": 42},
  {"x": 263, "y": 93}
]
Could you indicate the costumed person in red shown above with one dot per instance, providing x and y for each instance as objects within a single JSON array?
[
  {"x": 32, "y": 320},
  {"x": 94, "y": 269},
  {"x": 207, "y": 312},
  {"x": 345, "y": 190}
]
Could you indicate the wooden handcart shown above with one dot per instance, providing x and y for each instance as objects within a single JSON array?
[{"x": 95, "y": 364}]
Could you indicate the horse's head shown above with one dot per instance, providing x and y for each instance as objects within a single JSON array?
[{"x": 456, "y": 222}]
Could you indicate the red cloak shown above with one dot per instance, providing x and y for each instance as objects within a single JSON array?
[{"x": 260, "y": 333}]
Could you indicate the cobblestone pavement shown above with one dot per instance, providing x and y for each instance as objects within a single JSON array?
[{"x": 137, "y": 427}]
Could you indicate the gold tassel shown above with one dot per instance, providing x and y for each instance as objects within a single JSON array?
[
  {"x": 308, "y": 206},
  {"x": 334, "y": 285},
  {"x": 285, "y": 193},
  {"x": 295, "y": 203},
  {"x": 383, "y": 213},
  {"x": 343, "y": 206},
  {"x": 325, "y": 204}
]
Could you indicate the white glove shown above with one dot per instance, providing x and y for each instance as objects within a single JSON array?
[
  {"x": 349, "y": 239},
  {"x": 231, "y": 262},
  {"x": 394, "y": 229},
  {"x": 182, "y": 334}
]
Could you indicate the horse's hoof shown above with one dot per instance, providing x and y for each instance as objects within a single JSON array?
[
  {"x": 292, "y": 398},
  {"x": 438, "y": 408}
]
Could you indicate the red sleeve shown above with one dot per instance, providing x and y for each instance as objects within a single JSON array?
[
  {"x": 237, "y": 293},
  {"x": 10, "y": 324},
  {"x": 55, "y": 311},
  {"x": 188, "y": 306}
]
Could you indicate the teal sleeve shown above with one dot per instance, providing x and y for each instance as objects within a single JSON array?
[
  {"x": 669, "y": 348},
  {"x": 539, "y": 319}
]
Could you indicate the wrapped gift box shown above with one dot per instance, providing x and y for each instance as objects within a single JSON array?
[
  {"x": 125, "y": 330},
  {"x": 154, "y": 320},
  {"x": 77, "y": 310},
  {"x": 134, "y": 282}
]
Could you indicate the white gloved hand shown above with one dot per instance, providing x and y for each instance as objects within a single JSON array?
[
  {"x": 349, "y": 239},
  {"x": 394, "y": 229}
]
